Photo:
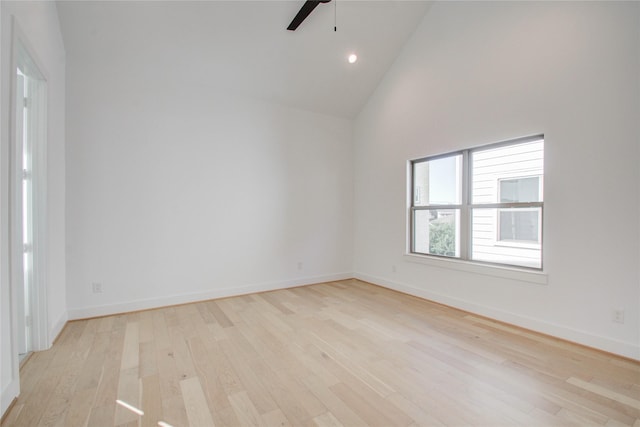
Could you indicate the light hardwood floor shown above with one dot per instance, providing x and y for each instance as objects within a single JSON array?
[{"x": 342, "y": 353}]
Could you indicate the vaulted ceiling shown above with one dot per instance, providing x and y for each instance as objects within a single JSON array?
[{"x": 243, "y": 47}]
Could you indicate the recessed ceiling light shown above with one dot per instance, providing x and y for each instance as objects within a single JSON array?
[{"x": 352, "y": 58}]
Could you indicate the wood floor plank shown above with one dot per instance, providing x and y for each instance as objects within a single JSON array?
[
  {"x": 342, "y": 353},
  {"x": 80, "y": 408},
  {"x": 247, "y": 414},
  {"x": 413, "y": 410},
  {"x": 195, "y": 403},
  {"x": 327, "y": 420},
  {"x": 180, "y": 353},
  {"x": 256, "y": 390},
  {"x": 168, "y": 373},
  {"x": 273, "y": 299},
  {"x": 174, "y": 411},
  {"x": 212, "y": 368},
  {"x": 602, "y": 391},
  {"x": 146, "y": 327},
  {"x": 276, "y": 418},
  {"x": 336, "y": 406},
  {"x": 110, "y": 372},
  {"x": 151, "y": 401},
  {"x": 102, "y": 415},
  {"x": 367, "y": 410},
  {"x": 361, "y": 373},
  {"x": 91, "y": 369},
  {"x": 287, "y": 400},
  {"x": 131, "y": 350},
  {"x": 160, "y": 331},
  {"x": 57, "y": 407},
  {"x": 148, "y": 359},
  {"x": 128, "y": 395},
  {"x": 219, "y": 314}
]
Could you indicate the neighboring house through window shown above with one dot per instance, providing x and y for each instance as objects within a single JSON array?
[{"x": 522, "y": 225}]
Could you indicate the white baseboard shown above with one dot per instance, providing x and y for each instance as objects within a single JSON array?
[
  {"x": 144, "y": 304},
  {"x": 55, "y": 330},
  {"x": 622, "y": 348},
  {"x": 10, "y": 392}
]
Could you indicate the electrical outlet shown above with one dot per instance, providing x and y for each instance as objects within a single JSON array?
[
  {"x": 96, "y": 287},
  {"x": 300, "y": 265},
  {"x": 393, "y": 269},
  {"x": 618, "y": 315}
]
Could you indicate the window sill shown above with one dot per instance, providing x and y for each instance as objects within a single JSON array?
[{"x": 513, "y": 273}]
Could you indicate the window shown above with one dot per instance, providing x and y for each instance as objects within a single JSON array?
[
  {"x": 438, "y": 198},
  {"x": 483, "y": 204}
]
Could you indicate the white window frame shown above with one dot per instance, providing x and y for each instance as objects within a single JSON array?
[{"x": 466, "y": 210}]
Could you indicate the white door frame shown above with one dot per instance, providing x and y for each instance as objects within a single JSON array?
[{"x": 24, "y": 56}]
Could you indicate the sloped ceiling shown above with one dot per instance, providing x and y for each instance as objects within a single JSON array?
[{"x": 243, "y": 47}]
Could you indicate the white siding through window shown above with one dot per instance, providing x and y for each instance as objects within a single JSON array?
[{"x": 489, "y": 167}]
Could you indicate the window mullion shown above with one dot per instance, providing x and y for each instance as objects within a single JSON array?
[
  {"x": 436, "y": 207},
  {"x": 465, "y": 220},
  {"x": 511, "y": 205}
]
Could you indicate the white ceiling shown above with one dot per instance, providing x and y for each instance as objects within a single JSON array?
[{"x": 244, "y": 47}]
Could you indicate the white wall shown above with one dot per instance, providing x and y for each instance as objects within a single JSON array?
[
  {"x": 479, "y": 72},
  {"x": 39, "y": 24},
  {"x": 176, "y": 192}
]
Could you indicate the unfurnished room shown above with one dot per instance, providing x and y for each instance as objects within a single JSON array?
[{"x": 319, "y": 213}]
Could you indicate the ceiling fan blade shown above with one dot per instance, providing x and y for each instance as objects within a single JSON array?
[{"x": 304, "y": 11}]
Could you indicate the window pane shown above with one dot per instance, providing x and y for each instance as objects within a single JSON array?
[
  {"x": 438, "y": 181},
  {"x": 520, "y": 190},
  {"x": 437, "y": 232},
  {"x": 520, "y": 225},
  {"x": 518, "y": 166},
  {"x": 486, "y": 244}
]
